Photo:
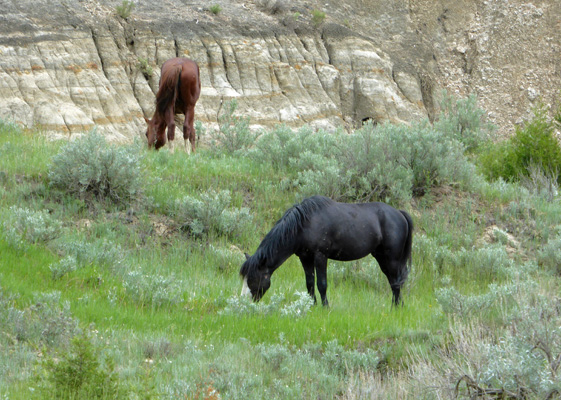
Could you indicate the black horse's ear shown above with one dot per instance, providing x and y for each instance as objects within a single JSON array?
[{"x": 246, "y": 256}]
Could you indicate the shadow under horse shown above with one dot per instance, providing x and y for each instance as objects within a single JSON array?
[
  {"x": 319, "y": 229},
  {"x": 179, "y": 90}
]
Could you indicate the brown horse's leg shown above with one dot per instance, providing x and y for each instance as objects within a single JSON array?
[
  {"x": 160, "y": 136},
  {"x": 170, "y": 121},
  {"x": 188, "y": 129}
]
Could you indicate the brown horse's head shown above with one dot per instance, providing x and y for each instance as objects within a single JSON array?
[{"x": 155, "y": 132}]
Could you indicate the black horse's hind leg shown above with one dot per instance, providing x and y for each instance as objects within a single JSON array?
[{"x": 394, "y": 272}]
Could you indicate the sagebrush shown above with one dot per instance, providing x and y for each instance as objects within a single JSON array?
[{"x": 93, "y": 169}]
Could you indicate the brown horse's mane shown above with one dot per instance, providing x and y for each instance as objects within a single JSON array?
[{"x": 167, "y": 93}]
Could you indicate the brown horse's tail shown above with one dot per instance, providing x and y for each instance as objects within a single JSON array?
[
  {"x": 406, "y": 256},
  {"x": 169, "y": 88}
]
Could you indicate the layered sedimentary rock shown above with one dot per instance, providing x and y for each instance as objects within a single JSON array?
[{"x": 68, "y": 65}]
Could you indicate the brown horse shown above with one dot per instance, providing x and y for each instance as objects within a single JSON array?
[{"x": 180, "y": 87}]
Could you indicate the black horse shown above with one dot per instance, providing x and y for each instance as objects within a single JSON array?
[{"x": 319, "y": 229}]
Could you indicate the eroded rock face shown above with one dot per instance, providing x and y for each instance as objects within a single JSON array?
[{"x": 69, "y": 65}]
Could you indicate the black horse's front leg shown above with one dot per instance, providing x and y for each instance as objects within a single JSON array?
[
  {"x": 309, "y": 270},
  {"x": 320, "y": 264}
]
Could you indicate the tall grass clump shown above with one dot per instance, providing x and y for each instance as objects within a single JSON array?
[
  {"x": 533, "y": 147},
  {"x": 90, "y": 168}
]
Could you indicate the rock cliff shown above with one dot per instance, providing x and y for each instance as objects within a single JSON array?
[{"x": 69, "y": 65}]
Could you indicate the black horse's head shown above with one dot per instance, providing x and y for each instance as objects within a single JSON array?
[{"x": 256, "y": 278}]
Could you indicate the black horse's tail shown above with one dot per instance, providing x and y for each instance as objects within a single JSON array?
[{"x": 406, "y": 256}]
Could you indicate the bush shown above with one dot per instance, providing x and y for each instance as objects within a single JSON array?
[
  {"x": 211, "y": 213},
  {"x": 22, "y": 224},
  {"x": 92, "y": 169},
  {"x": 549, "y": 255},
  {"x": 533, "y": 146},
  {"x": 233, "y": 134},
  {"x": 80, "y": 254},
  {"x": 77, "y": 373},
  {"x": 145, "y": 68},
  {"x": 386, "y": 162},
  {"x": 461, "y": 120},
  {"x": 46, "y": 322},
  {"x": 153, "y": 291},
  {"x": 280, "y": 145}
]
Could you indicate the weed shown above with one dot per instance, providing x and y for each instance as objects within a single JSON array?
[
  {"x": 145, "y": 68},
  {"x": 318, "y": 17},
  {"x": 215, "y": 9},
  {"x": 126, "y": 8}
]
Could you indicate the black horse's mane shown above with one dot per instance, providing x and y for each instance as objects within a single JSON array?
[{"x": 282, "y": 237}]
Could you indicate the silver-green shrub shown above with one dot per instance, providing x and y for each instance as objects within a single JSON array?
[
  {"x": 549, "y": 255},
  {"x": 233, "y": 134},
  {"x": 47, "y": 321},
  {"x": 239, "y": 305},
  {"x": 211, "y": 212},
  {"x": 385, "y": 162},
  {"x": 299, "y": 307},
  {"x": 152, "y": 291},
  {"x": 463, "y": 121},
  {"x": 280, "y": 145},
  {"x": 24, "y": 225},
  {"x": 80, "y": 254},
  {"x": 91, "y": 168}
]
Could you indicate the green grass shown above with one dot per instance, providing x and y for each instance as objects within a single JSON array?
[{"x": 188, "y": 346}]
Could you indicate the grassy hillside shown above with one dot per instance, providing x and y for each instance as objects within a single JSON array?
[{"x": 130, "y": 289}]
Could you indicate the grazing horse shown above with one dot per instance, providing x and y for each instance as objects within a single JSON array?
[
  {"x": 180, "y": 87},
  {"x": 319, "y": 229}
]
